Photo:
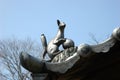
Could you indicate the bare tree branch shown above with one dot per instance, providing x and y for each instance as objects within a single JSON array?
[
  {"x": 9, "y": 54},
  {"x": 93, "y": 38}
]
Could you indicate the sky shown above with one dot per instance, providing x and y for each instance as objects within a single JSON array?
[{"x": 83, "y": 18}]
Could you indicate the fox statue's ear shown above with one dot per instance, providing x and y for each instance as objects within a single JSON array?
[{"x": 58, "y": 22}]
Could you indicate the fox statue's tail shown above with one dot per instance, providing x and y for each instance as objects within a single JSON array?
[{"x": 44, "y": 44}]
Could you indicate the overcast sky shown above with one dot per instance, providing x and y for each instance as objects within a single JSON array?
[{"x": 31, "y": 18}]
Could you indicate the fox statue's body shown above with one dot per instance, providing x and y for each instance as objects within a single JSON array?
[{"x": 53, "y": 46}]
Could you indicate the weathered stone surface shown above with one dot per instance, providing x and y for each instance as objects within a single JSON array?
[
  {"x": 102, "y": 66},
  {"x": 31, "y": 63},
  {"x": 63, "y": 61},
  {"x": 64, "y": 55}
]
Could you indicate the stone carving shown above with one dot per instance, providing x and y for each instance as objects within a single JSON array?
[
  {"x": 63, "y": 60},
  {"x": 53, "y": 46}
]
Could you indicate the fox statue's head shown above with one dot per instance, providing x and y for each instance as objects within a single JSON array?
[{"x": 61, "y": 24}]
